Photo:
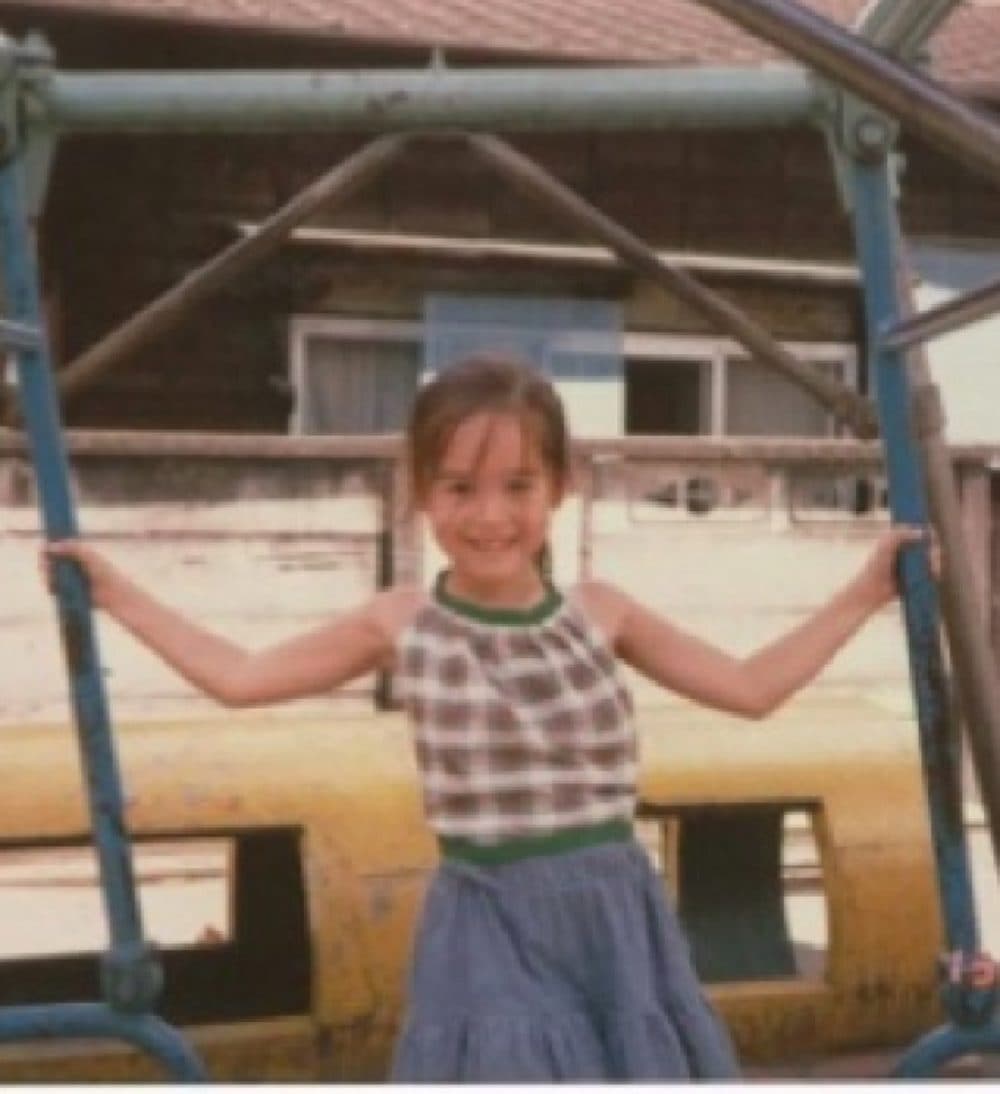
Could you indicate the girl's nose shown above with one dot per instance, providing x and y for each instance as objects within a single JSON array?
[{"x": 490, "y": 505}]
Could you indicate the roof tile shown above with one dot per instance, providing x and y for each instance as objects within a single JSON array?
[{"x": 966, "y": 49}]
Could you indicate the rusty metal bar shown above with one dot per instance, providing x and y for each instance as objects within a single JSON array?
[
  {"x": 84, "y": 443},
  {"x": 901, "y": 27},
  {"x": 971, "y": 659},
  {"x": 237, "y": 446},
  {"x": 944, "y": 120},
  {"x": 846, "y": 405},
  {"x": 922, "y": 326},
  {"x": 876, "y": 232},
  {"x": 177, "y": 302},
  {"x": 391, "y": 245}
]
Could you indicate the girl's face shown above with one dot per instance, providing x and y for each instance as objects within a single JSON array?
[{"x": 489, "y": 505}]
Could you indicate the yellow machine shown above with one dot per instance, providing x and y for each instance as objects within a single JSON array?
[{"x": 324, "y": 858}]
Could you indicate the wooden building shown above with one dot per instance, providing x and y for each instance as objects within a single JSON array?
[{"x": 310, "y": 338}]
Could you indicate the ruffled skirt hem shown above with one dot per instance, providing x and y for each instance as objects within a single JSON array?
[{"x": 566, "y": 1047}]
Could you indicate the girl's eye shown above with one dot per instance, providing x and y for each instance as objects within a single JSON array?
[
  {"x": 519, "y": 486},
  {"x": 459, "y": 489}
]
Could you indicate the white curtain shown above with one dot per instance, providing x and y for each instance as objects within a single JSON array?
[{"x": 357, "y": 386}]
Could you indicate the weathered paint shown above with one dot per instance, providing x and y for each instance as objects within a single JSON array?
[
  {"x": 349, "y": 784},
  {"x": 130, "y": 975},
  {"x": 883, "y": 923}
]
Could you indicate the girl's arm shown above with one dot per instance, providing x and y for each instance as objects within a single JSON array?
[
  {"x": 755, "y": 685},
  {"x": 314, "y": 662}
]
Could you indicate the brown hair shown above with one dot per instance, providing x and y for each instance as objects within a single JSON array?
[{"x": 490, "y": 384}]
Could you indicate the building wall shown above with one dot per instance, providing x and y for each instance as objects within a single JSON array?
[
  {"x": 964, "y": 364},
  {"x": 129, "y": 216}
]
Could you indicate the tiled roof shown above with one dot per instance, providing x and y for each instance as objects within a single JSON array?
[{"x": 966, "y": 48}]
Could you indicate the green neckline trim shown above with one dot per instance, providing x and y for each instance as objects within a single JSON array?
[{"x": 538, "y": 613}]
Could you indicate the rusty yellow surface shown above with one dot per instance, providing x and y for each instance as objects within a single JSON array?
[
  {"x": 861, "y": 769},
  {"x": 349, "y": 784}
]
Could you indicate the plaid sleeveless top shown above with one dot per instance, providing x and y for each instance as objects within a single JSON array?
[{"x": 522, "y": 725}]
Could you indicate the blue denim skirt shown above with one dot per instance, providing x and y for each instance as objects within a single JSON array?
[{"x": 568, "y": 967}]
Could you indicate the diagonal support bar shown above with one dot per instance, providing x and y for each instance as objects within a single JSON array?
[
  {"x": 876, "y": 234},
  {"x": 977, "y": 304},
  {"x": 130, "y": 970},
  {"x": 971, "y": 656},
  {"x": 969, "y": 1007},
  {"x": 901, "y": 27},
  {"x": 174, "y": 305},
  {"x": 944, "y": 120},
  {"x": 845, "y": 404}
]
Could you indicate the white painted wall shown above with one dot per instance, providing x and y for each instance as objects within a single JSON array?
[
  {"x": 966, "y": 363},
  {"x": 594, "y": 408}
]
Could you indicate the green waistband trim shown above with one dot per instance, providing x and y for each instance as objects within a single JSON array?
[
  {"x": 520, "y": 847},
  {"x": 537, "y": 613}
]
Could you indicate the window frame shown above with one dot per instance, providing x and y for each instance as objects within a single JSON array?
[{"x": 713, "y": 351}]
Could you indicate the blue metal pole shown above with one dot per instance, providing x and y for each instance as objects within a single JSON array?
[
  {"x": 94, "y": 1020},
  {"x": 969, "y": 1007},
  {"x": 875, "y": 231},
  {"x": 131, "y": 973}
]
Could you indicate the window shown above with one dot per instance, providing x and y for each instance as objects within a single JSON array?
[
  {"x": 668, "y": 397},
  {"x": 359, "y": 375},
  {"x": 352, "y": 377},
  {"x": 762, "y": 403},
  {"x": 356, "y": 375},
  {"x": 682, "y": 385},
  {"x": 226, "y": 911},
  {"x": 747, "y": 881}
]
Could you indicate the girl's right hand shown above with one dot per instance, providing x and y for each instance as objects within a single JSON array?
[{"x": 101, "y": 575}]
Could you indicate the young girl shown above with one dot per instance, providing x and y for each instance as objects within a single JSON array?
[{"x": 547, "y": 950}]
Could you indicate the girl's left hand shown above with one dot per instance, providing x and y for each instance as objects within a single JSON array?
[{"x": 879, "y": 575}]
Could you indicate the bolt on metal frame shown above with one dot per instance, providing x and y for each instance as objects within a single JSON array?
[{"x": 38, "y": 103}]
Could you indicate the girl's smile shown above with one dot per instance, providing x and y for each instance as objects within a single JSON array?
[{"x": 489, "y": 505}]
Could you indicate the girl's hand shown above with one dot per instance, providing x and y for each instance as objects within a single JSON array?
[
  {"x": 102, "y": 577},
  {"x": 878, "y": 579}
]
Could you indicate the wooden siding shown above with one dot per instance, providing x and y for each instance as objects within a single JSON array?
[{"x": 128, "y": 216}]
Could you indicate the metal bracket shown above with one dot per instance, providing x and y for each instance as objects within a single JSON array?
[
  {"x": 131, "y": 978},
  {"x": 856, "y": 131},
  {"x": 14, "y": 336},
  {"x": 969, "y": 987},
  {"x": 9, "y": 127},
  {"x": 36, "y": 61},
  {"x": 25, "y": 131},
  {"x": 969, "y": 981}
]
